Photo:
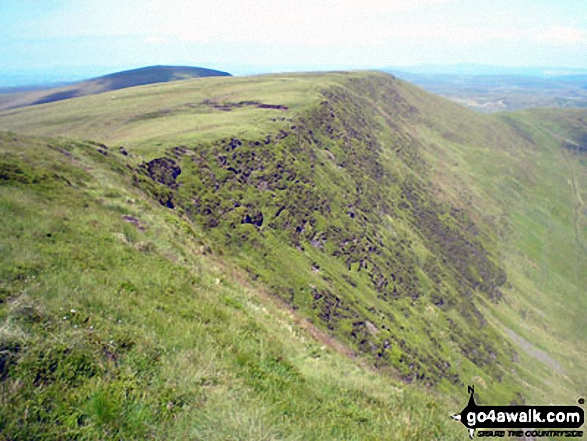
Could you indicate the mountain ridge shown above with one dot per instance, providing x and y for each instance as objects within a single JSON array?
[{"x": 397, "y": 222}]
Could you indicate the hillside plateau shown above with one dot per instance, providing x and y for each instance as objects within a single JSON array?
[{"x": 106, "y": 83}]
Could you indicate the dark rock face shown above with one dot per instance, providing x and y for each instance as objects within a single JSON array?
[
  {"x": 253, "y": 218},
  {"x": 159, "y": 177},
  {"x": 289, "y": 183},
  {"x": 163, "y": 170}
]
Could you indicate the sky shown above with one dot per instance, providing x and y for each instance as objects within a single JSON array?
[{"x": 41, "y": 38}]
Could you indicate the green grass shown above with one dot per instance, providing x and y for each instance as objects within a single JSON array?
[
  {"x": 172, "y": 114},
  {"x": 531, "y": 191},
  {"x": 428, "y": 241},
  {"x": 113, "y": 332}
]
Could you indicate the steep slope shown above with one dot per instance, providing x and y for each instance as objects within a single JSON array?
[
  {"x": 425, "y": 237},
  {"x": 118, "y": 322},
  {"x": 115, "y": 81}
]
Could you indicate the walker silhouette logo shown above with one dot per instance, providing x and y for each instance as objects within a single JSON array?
[{"x": 526, "y": 419}]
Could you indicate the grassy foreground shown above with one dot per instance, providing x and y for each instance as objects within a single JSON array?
[{"x": 119, "y": 323}]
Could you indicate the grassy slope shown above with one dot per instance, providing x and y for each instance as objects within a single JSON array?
[
  {"x": 115, "y": 81},
  {"x": 553, "y": 233},
  {"x": 395, "y": 141},
  {"x": 531, "y": 190},
  {"x": 118, "y": 323}
]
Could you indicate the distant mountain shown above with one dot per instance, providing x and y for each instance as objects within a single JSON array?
[{"x": 106, "y": 83}]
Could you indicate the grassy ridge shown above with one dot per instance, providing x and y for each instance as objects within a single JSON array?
[
  {"x": 426, "y": 238},
  {"x": 118, "y": 323},
  {"x": 363, "y": 240}
]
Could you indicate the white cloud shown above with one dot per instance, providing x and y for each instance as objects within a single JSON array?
[
  {"x": 562, "y": 35},
  {"x": 324, "y": 23},
  {"x": 304, "y": 22},
  {"x": 316, "y": 32},
  {"x": 461, "y": 35},
  {"x": 377, "y": 25}
]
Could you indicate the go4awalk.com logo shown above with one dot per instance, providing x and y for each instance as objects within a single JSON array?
[{"x": 521, "y": 421}]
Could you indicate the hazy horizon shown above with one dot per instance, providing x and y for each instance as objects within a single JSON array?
[{"x": 56, "y": 76}]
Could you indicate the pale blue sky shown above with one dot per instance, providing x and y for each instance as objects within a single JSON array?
[{"x": 266, "y": 35}]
